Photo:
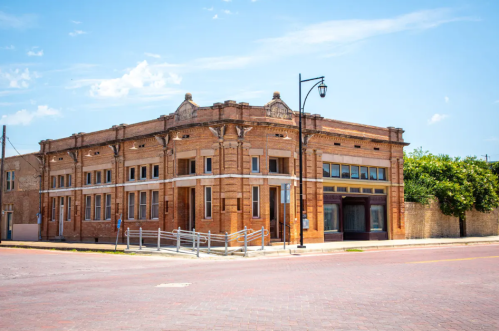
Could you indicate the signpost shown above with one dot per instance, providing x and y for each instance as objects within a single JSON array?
[
  {"x": 285, "y": 198},
  {"x": 119, "y": 225}
]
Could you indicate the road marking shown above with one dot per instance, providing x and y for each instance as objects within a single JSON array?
[
  {"x": 463, "y": 259},
  {"x": 174, "y": 285}
]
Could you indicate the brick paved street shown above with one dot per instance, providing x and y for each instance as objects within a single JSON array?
[{"x": 456, "y": 288}]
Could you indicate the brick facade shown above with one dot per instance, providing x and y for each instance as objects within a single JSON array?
[{"x": 232, "y": 135}]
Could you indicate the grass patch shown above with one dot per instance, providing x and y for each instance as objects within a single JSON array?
[{"x": 354, "y": 250}]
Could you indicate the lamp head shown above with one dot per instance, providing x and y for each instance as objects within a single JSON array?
[
  {"x": 133, "y": 146},
  {"x": 322, "y": 89},
  {"x": 176, "y": 137}
]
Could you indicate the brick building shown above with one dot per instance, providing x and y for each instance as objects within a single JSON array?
[
  {"x": 220, "y": 168},
  {"x": 20, "y": 200}
]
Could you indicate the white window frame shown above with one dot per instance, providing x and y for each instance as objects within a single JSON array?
[
  {"x": 88, "y": 178},
  {"x": 9, "y": 183},
  {"x": 276, "y": 165},
  {"x": 131, "y": 204},
  {"x": 154, "y": 166},
  {"x": 257, "y": 164},
  {"x": 141, "y": 194},
  {"x": 98, "y": 177},
  {"x": 253, "y": 201},
  {"x": 110, "y": 176},
  {"x": 88, "y": 207},
  {"x": 107, "y": 216},
  {"x": 154, "y": 205},
  {"x": 61, "y": 181},
  {"x": 208, "y": 204},
  {"x": 206, "y": 171},
  {"x": 130, "y": 174},
  {"x": 97, "y": 215},
  {"x": 53, "y": 210},
  {"x": 191, "y": 161},
  {"x": 68, "y": 207},
  {"x": 143, "y": 177}
]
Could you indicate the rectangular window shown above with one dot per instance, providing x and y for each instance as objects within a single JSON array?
[
  {"x": 98, "y": 177},
  {"x": 155, "y": 171},
  {"x": 88, "y": 207},
  {"x": 345, "y": 171},
  {"x": 273, "y": 165},
  {"x": 379, "y": 191},
  {"x": 88, "y": 179},
  {"x": 328, "y": 188},
  {"x": 131, "y": 173},
  {"x": 372, "y": 173},
  {"x": 53, "y": 209},
  {"x": 143, "y": 172},
  {"x": 61, "y": 181},
  {"x": 98, "y": 201},
  {"x": 255, "y": 166},
  {"x": 377, "y": 218},
  {"x": 381, "y": 174},
  {"x": 354, "y": 172},
  {"x": 155, "y": 205},
  {"x": 207, "y": 202},
  {"x": 331, "y": 218},
  {"x": 255, "y": 199},
  {"x": 70, "y": 180},
  {"x": 142, "y": 205},
  {"x": 354, "y": 190},
  {"x": 335, "y": 170},
  {"x": 363, "y": 173},
  {"x": 107, "y": 215},
  {"x": 166, "y": 207},
  {"x": 9, "y": 185},
  {"x": 207, "y": 165},
  {"x": 367, "y": 190},
  {"x": 192, "y": 167},
  {"x": 326, "y": 170},
  {"x": 61, "y": 209},
  {"x": 54, "y": 182},
  {"x": 108, "y": 176},
  {"x": 131, "y": 206},
  {"x": 238, "y": 204},
  {"x": 223, "y": 204},
  {"x": 341, "y": 189},
  {"x": 69, "y": 209}
]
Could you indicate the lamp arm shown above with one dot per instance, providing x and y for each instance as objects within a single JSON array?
[{"x": 303, "y": 108}]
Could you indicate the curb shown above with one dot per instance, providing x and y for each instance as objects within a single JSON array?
[{"x": 79, "y": 249}]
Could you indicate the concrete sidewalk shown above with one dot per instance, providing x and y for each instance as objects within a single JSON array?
[{"x": 254, "y": 251}]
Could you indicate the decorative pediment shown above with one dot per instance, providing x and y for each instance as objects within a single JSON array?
[
  {"x": 187, "y": 110},
  {"x": 278, "y": 108}
]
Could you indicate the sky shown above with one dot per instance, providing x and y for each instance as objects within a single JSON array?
[{"x": 429, "y": 67}]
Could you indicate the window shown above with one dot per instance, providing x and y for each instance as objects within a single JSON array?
[
  {"x": 155, "y": 205},
  {"x": 166, "y": 207},
  {"x": 142, "y": 205},
  {"x": 108, "y": 176},
  {"x": 273, "y": 165},
  {"x": 131, "y": 173},
  {"x": 357, "y": 146},
  {"x": 155, "y": 171},
  {"x": 328, "y": 188},
  {"x": 372, "y": 173},
  {"x": 379, "y": 191},
  {"x": 192, "y": 167},
  {"x": 331, "y": 218},
  {"x": 255, "y": 164},
  {"x": 207, "y": 202},
  {"x": 381, "y": 174},
  {"x": 61, "y": 181},
  {"x": 376, "y": 148},
  {"x": 354, "y": 172},
  {"x": 377, "y": 218},
  {"x": 61, "y": 209},
  {"x": 131, "y": 206},
  {"x": 354, "y": 190},
  {"x": 223, "y": 204},
  {"x": 107, "y": 215},
  {"x": 238, "y": 204},
  {"x": 143, "y": 172},
  {"x": 341, "y": 189},
  {"x": 69, "y": 181},
  {"x": 53, "y": 209},
  {"x": 345, "y": 171},
  {"x": 207, "y": 165},
  {"x": 98, "y": 177},
  {"x": 54, "y": 182},
  {"x": 88, "y": 206},
  {"x": 98, "y": 201},
  {"x": 255, "y": 199},
  {"x": 88, "y": 179},
  {"x": 367, "y": 190},
  {"x": 337, "y": 144},
  {"x": 363, "y": 173},
  {"x": 326, "y": 170},
  {"x": 335, "y": 170},
  {"x": 69, "y": 209}
]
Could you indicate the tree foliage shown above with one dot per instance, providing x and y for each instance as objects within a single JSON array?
[{"x": 458, "y": 184}]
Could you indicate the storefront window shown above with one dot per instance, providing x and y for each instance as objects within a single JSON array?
[
  {"x": 331, "y": 218},
  {"x": 377, "y": 218}
]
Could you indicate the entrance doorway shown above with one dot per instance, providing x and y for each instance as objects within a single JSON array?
[
  {"x": 61, "y": 217},
  {"x": 9, "y": 225},
  {"x": 274, "y": 212},
  {"x": 192, "y": 208}
]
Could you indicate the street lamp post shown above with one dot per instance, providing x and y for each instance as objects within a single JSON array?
[{"x": 322, "y": 92}]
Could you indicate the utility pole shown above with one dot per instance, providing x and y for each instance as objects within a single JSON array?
[
  {"x": 486, "y": 158},
  {"x": 1, "y": 179}
]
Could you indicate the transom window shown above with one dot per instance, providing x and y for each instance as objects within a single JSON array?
[{"x": 331, "y": 170}]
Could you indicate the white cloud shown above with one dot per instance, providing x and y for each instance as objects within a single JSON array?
[
  {"x": 35, "y": 53},
  {"x": 446, "y": 98},
  {"x": 76, "y": 22},
  {"x": 8, "y": 48},
  {"x": 25, "y": 117},
  {"x": 17, "y": 22},
  {"x": 215, "y": 17},
  {"x": 228, "y": 12},
  {"x": 157, "y": 56},
  {"x": 18, "y": 78},
  {"x": 76, "y": 33},
  {"x": 437, "y": 118},
  {"x": 143, "y": 80},
  {"x": 208, "y": 9}
]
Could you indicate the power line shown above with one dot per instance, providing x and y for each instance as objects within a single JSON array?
[{"x": 10, "y": 142}]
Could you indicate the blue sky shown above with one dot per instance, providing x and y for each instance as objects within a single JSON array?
[{"x": 428, "y": 67}]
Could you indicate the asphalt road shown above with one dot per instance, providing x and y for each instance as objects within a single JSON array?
[{"x": 453, "y": 288}]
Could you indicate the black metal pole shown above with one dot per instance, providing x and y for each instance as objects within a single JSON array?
[
  {"x": 1, "y": 179},
  {"x": 301, "y": 166}
]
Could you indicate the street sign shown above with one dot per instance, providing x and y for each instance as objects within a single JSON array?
[
  {"x": 285, "y": 193},
  {"x": 118, "y": 233},
  {"x": 119, "y": 223}
]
